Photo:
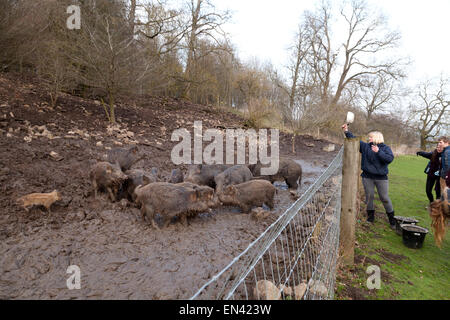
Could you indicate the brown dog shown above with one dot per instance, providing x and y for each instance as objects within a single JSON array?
[{"x": 43, "y": 199}]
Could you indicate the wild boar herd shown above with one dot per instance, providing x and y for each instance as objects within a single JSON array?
[{"x": 202, "y": 188}]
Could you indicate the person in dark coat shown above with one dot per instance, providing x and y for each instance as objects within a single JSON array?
[
  {"x": 375, "y": 158},
  {"x": 433, "y": 172},
  {"x": 445, "y": 160}
]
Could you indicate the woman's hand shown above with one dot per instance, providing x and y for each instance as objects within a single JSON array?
[
  {"x": 375, "y": 148},
  {"x": 345, "y": 127}
]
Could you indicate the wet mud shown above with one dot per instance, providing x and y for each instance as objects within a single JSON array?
[{"x": 119, "y": 256}]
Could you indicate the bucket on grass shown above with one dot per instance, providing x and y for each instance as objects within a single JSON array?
[
  {"x": 413, "y": 236},
  {"x": 403, "y": 220}
]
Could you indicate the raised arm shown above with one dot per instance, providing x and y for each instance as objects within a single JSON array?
[
  {"x": 426, "y": 155},
  {"x": 348, "y": 134}
]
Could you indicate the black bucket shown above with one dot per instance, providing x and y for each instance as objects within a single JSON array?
[
  {"x": 403, "y": 220},
  {"x": 413, "y": 236}
]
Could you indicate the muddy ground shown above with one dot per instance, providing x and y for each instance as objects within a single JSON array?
[{"x": 119, "y": 256}]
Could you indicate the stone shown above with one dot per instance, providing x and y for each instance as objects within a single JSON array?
[
  {"x": 299, "y": 291},
  {"x": 56, "y": 156},
  {"x": 266, "y": 290},
  {"x": 286, "y": 290},
  {"x": 317, "y": 288},
  {"x": 329, "y": 148},
  {"x": 259, "y": 213}
]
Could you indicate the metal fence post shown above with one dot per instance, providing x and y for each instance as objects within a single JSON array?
[{"x": 350, "y": 170}]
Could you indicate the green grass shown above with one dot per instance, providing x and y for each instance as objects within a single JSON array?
[{"x": 406, "y": 273}]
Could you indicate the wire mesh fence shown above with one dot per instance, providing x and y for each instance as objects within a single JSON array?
[{"x": 295, "y": 257}]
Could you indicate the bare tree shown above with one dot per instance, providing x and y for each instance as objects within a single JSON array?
[
  {"x": 204, "y": 23},
  {"x": 107, "y": 56},
  {"x": 367, "y": 38},
  {"x": 363, "y": 53},
  {"x": 377, "y": 93},
  {"x": 432, "y": 114}
]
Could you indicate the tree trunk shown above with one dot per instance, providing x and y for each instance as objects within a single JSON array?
[{"x": 112, "y": 114}]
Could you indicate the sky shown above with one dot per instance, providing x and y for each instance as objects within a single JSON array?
[{"x": 266, "y": 28}]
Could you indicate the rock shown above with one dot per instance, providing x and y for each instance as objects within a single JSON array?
[
  {"x": 55, "y": 156},
  {"x": 124, "y": 203},
  {"x": 118, "y": 143},
  {"x": 299, "y": 291},
  {"x": 286, "y": 290},
  {"x": 294, "y": 194},
  {"x": 310, "y": 145},
  {"x": 259, "y": 213},
  {"x": 9, "y": 135},
  {"x": 266, "y": 290},
  {"x": 329, "y": 148},
  {"x": 317, "y": 288},
  {"x": 99, "y": 144}
]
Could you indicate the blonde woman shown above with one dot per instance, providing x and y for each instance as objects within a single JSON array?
[{"x": 375, "y": 158}]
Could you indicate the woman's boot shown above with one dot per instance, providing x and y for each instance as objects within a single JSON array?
[
  {"x": 391, "y": 219},
  {"x": 370, "y": 216}
]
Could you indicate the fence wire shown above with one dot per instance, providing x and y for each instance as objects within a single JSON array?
[{"x": 295, "y": 257}]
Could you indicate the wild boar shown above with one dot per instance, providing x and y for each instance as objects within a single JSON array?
[
  {"x": 204, "y": 193},
  {"x": 170, "y": 200},
  {"x": 288, "y": 171},
  {"x": 136, "y": 177},
  {"x": 202, "y": 174},
  {"x": 105, "y": 175},
  {"x": 249, "y": 194},
  {"x": 125, "y": 157},
  {"x": 234, "y": 175},
  {"x": 40, "y": 199},
  {"x": 176, "y": 176}
]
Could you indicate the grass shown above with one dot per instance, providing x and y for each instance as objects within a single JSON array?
[{"x": 405, "y": 273}]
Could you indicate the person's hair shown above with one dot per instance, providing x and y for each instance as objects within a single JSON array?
[
  {"x": 439, "y": 213},
  {"x": 377, "y": 137},
  {"x": 444, "y": 139},
  {"x": 435, "y": 158}
]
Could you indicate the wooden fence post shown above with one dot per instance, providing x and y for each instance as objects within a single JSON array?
[{"x": 350, "y": 170}]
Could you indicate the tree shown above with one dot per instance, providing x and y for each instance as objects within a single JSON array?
[
  {"x": 376, "y": 93},
  {"x": 107, "y": 57},
  {"x": 366, "y": 45},
  {"x": 432, "y": 114},
  {"x": 205, "y": 23}
]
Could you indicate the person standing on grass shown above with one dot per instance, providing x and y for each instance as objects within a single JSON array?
[
  {"x": 375, "y": 158},
  {"x": 433, "y": 172},
  {"x": 443, "y": 143}
]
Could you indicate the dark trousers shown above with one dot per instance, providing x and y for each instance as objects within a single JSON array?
[{"x": 433, "y": 180}]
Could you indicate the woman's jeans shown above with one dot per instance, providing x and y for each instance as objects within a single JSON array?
[{"x": 383, "y": 192}]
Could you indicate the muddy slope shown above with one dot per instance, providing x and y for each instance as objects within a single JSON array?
[{"x": 120, "y": 257}]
